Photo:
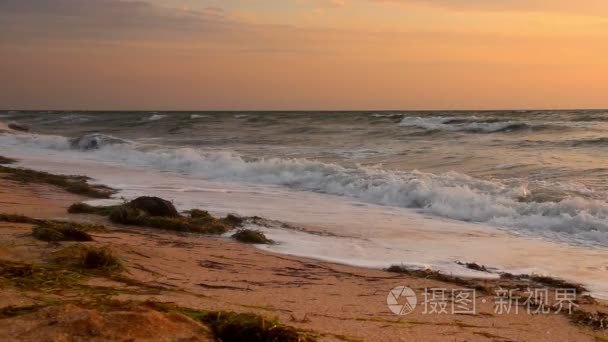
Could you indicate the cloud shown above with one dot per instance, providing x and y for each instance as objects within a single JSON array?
[
  {"x": 103, "y": 20},
  {"x": 585, "y": 7}
]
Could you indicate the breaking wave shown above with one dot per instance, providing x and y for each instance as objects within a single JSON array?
[
  {"x": 466, "y": 124},
  {"x": 198, "y": 116},
  {"x": 156, "y": 117},
  {"x": 94, "y": 141},
  {"x": 451, "y": 195}
]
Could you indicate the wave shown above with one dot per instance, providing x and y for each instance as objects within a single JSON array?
[
  {"x": 451, "y": 195},
  {"x": 73, "y": 118},
  {"x": 156, "y": 117},
  {"x": 466, "y": 124},
  {"x": 591, "y": 118},
  {"x": 386, "y": 115},
  {"x": 94, "y": 141},
  {"x": 198, "y": 116}
]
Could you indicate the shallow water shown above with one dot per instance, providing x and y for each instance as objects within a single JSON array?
[{"x": 523, "y": 192}]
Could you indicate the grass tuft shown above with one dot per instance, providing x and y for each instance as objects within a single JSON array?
[{"x": 251, "y": 236}]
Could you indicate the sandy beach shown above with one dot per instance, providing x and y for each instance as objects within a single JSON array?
[{"x": 330, "y": 302}]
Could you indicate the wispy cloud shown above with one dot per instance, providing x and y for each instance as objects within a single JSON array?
[
  {"x": 104, "y": 20},
  {"x": 584, "y": 7}
]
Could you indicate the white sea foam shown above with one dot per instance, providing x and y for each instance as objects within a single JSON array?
[
  {"x": 461, "y": 124},
  {"x": 156, "y": 117},
  {"x": 69, "y": 118},
  {"x": 198, "y": 116},
  {"x": 386, "y": 115},
  {"x": 450, "y": 195}
]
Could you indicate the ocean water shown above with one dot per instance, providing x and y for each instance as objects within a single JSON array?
[{"x": 517, "y": 190}]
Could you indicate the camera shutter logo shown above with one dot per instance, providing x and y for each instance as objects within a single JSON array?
[{"x": 401, "y": 300}]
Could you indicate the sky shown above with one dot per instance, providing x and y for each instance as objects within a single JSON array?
[{"x": 303, "y": 54}]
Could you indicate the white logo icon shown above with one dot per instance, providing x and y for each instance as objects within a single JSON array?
[{"x": 401, "y": 300}]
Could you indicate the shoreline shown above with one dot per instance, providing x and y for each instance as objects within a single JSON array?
[{"x": 243, "y": 277}]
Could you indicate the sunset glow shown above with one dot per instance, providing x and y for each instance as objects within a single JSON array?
[{"x": 303, "y": 54}]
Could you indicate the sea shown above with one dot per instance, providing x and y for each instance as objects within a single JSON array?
[{"x": 517, "y": 191}]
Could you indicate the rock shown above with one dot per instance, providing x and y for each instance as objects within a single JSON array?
[
  {"x": 18, "y": 127},
  {"x": 154, "y": 206}
]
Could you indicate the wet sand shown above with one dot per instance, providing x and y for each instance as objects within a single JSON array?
[{"x": 334, "y": 302}]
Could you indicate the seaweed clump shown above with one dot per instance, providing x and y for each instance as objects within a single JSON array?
[
  {"x": 74, "y": 184},
  {"x": 546, "y": 281},
  {"x": 83, "y": 208},
  {"x": 474, "y": 266},
  {"x": 37, "y": 277},
  {"x": 155, "y": 212},
  {"x": 427, "y": 274},
  {"x": 88, "y": 257},
  {"x": 251, "y": 236},
  {"x": 595, "y": 320},
  {"x": 232, "y": 326},
  {"x": 64, "y": 231},
  {"x": 6, "y": 160},
  {"x": 14, "y": 218}
]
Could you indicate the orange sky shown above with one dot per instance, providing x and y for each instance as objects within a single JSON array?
[{"x": 303, "y": 54}]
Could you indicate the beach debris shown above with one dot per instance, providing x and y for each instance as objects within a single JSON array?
[
  {"x": 6, "y": 160},
  {"x": 233, "y": 327},
  {"x": 251, "y": 236},
  {"x": 158, "y": 213},
  {"x": 596, "y": 320},
  {"x": 59, "y": 232},
  {"x": 233, "y": 220},
  {"x": 545, "y": 280},
  {"x": 55, "y": 224},
  {"x": 88, "y": 257},
  {"x": 427, "y": 274},
  {"x": 83, "y": 208},
  {"x": 473, "y": 266},
  {"x": 70, "y": 183},
  {"x": 14, "y": 218}
]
